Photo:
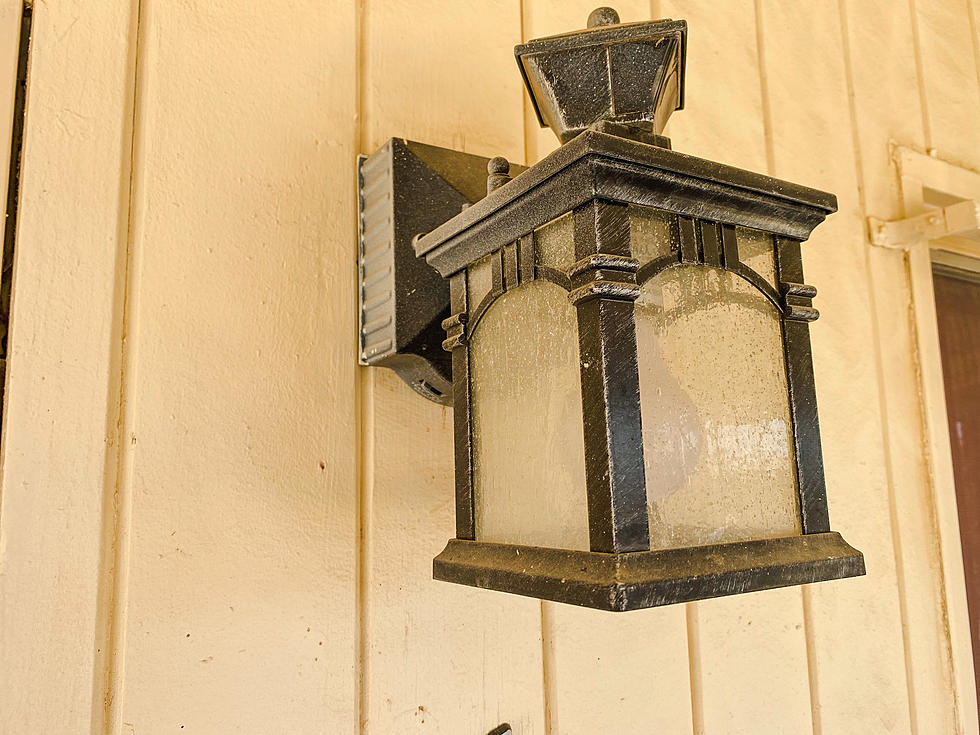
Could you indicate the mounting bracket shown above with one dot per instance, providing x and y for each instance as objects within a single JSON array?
[
  {"x": 407, "y": 189},
  {"x": 961, "y": 219}
]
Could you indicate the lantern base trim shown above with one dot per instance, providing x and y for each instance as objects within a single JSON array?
[{"x": 642, "y": 579}]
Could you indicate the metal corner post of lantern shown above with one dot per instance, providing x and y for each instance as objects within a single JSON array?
[{"x": 627, "y": 334}]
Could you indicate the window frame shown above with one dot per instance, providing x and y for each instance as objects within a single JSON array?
[{"x": 941, "y": 207}]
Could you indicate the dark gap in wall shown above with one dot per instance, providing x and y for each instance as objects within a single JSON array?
[{"x": 13, "y": 190}]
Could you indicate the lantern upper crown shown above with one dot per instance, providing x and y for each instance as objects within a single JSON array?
[{"x": 629, "y": 73}]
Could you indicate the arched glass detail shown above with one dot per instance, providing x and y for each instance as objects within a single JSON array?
[
  {"x": 528, "y": 444},
  {"x": 717, "y": 432}
]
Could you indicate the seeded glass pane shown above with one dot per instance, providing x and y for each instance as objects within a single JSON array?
[
  {"x": 717, "y": 436},
  {"x": 650, "y": 233},
  {"x": 528, "y": 445},
  {"x": 479, "y": 281},
  {"x": 554, "y": 243},
  {"x": 755, "y": 250}
]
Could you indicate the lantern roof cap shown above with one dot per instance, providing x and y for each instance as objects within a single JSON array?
[
  {"x": 598, "y": 165},
  {"x": 625, "y": 72}
]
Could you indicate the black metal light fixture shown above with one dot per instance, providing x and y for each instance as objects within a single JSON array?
[{"x": 634, "y": 404}]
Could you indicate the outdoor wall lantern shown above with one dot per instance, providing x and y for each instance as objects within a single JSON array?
[{"x": 631, "y": 376}]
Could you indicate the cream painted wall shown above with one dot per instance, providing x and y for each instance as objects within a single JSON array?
[{"x": 213, "y": 521}]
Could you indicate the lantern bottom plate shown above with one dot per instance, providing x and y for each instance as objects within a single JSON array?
[{"x": 641, "y": 579}]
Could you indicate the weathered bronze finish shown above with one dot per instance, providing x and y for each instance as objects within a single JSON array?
[{"x": 606, "y": 92}]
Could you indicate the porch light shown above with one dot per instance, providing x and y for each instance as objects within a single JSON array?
[{"x": 631, "y": 376}]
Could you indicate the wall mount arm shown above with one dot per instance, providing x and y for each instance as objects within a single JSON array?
[{"x": 405, "y": 189}]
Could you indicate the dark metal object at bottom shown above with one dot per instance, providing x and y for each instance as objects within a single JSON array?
[{"x": 641, "y": 579}]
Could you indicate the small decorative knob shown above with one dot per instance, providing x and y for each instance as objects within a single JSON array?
[
  {"x": 498, "y": 169},
  {"x": 602, "y": 17}
]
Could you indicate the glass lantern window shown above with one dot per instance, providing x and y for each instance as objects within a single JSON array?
[
  {"x": 717, "y": 432},
  {"x": 528, "y": 446}
]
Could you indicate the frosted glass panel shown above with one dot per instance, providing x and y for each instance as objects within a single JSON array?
[
  {"x": 528, "y": 446},
  {"x": 717, "y": 436},
  {"x": 554, "y": 243},
  {"x": 650, "y": 233},
  {"x": 755, "y": 251}
]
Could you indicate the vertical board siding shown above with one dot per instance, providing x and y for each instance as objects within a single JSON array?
[
  {"x": 947, "y": 44},
  {"x": 215, "y": 522},
  {"x": 854, "y": 626},
  {"x": 752, "y": 658},
  {"x": 59, "y": 442},
  {"x": 437, "y": 658},
  {"x": 948, "y": 47},
  {"x": 881, "y": 113},
  {"x": 241, "y": 577}
]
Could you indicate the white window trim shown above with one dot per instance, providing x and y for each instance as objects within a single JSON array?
[{"x": 941, "y": 206}]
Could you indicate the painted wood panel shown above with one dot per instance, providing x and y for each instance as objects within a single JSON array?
[
  {"x": 852, "y": 625},
  {"x": 60, "y": 441},
  {"x": 436, "y": 657},
  {"x": 946, "y": 51},
  {"x": 240, "y": 585},
  {"x": 883, "y": 113}
]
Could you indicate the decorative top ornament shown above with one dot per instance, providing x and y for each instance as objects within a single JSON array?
[
  {"x": 603, "y": 16},
  {"x": 630, "y": 73}
]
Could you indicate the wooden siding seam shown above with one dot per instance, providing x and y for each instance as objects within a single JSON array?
[
  {"x": 548, "y": 675},
  {"x": 365, "y": 438},
  {"x": 764, "y": 89},
  {"x": 527, "y": 116},
  {"x": 810, "y": 639},
  {"x": 974, "y": 12},
  {"x": 920, "y": 76},
  {"x": 363, "y": 418},
  {"x": 852, "y": 114},
  {"x": 108, "y": 688},
  {"x": 882, "y": 395},
  {"x": 655, "y": 9},
  {"x": 694, "y": 667}
]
